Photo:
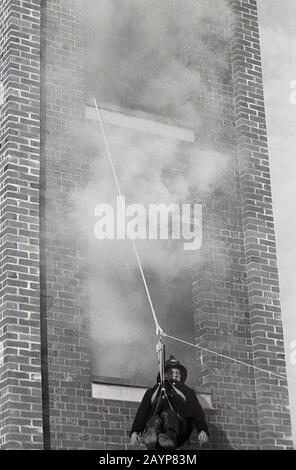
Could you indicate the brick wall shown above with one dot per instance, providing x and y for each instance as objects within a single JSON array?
[
  {"x": 236, "y": 289},
  {"x": 220, "y": 293},
  {"x": 20, "y": 371},
  {"x": 63, "y": 169},
  {"x": 258, "y": 226}
]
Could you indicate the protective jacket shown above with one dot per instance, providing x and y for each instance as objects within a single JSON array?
[{"x": 183, "y": 400}]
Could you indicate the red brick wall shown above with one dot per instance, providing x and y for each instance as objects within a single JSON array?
[{"x": 20, "y": 370}]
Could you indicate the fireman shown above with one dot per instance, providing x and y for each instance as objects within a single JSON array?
[{"x": 169, "y": 411}]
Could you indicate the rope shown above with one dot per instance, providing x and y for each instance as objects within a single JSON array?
[
  {"x": 159, "y": 330},
  {"x": 160, "y": 350},
  {"x": 226, "y": 357}
]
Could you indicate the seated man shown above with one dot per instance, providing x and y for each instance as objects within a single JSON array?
[{"x": 168, "y": 414}]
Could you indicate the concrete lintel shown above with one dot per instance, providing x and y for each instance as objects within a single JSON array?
[
  {"x": 143, "y": 124},
  {"x": 135, "y": 394}
]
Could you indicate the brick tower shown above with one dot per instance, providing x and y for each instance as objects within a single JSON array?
[{"x": 48, "y": 397}]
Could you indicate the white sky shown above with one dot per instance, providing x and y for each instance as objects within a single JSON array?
[{"x": 277, "y": 20}]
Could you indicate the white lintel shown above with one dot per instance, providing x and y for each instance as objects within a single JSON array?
[
  {"x": 142, "y": 124},
  {"x": 135, "y": 394}
]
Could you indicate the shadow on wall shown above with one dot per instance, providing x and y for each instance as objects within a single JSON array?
[{"x": 218, "y": 439}]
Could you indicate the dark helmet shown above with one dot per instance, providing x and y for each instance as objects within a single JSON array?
[{"x": 172, "y": 363}]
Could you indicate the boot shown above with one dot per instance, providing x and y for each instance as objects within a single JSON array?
[
  {"x": 170, "y": 424},
  {"x": 168, "y": 440},
  {"x": 153, "y": 428}
]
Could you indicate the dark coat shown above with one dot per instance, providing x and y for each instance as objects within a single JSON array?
[{"x": 190, "y": 409}]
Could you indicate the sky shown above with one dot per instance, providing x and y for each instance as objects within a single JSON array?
[{"x": 277, "y": 21}]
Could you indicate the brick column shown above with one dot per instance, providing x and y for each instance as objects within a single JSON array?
[
  {"x": 20, "y": 369},
  {"x": 222, "y": 324},
  {"x": 260, "y": 246},
  {"x": 220, "y": 294}
]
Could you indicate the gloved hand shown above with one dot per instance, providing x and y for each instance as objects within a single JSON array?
[
  {"x": 135, "y": 439},
  {"x": 203, "y": 438}
]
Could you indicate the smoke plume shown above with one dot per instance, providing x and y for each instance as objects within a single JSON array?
[{"x": 165, "y": 58}]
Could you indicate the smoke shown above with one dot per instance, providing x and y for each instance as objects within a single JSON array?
[
  {"x": 150, "y": 170},
  {"x": 165, "y": 58},
  {"x": 159, "y": 56}
]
